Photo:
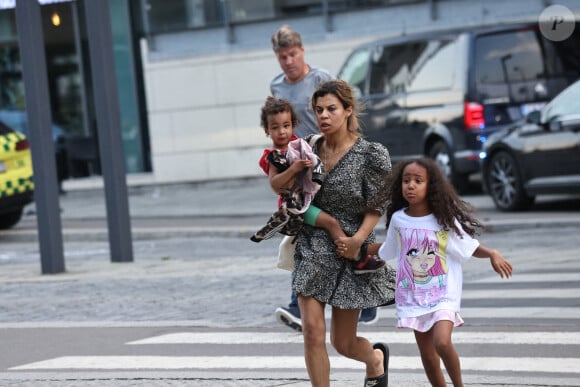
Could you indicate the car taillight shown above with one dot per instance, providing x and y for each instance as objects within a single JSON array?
[
  {"x": 22, "y": 145},
  {"x": 473, "y": 116}
]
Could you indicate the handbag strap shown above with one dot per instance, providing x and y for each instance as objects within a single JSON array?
[{"x": 313, "y": 140}]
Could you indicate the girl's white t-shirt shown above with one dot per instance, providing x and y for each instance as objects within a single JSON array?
[{"x": 428, "y": 261}]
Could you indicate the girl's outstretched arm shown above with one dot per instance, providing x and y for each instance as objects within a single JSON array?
[{"x": 498, "y": 262}]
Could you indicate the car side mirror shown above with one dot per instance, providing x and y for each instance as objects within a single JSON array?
[
  {"x": 570, "y": 122},
  {"x": 555, "y": 125},
  {"x": 534, "y": 117}
]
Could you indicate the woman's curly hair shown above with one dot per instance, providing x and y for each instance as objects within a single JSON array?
[{"x": 442, "y": 199}]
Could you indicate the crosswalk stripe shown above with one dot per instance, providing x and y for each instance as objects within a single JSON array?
[
  {"x": 553, "y": 313},
  {"x": 496, "y": 294},
  {"x": 534, "y": 277},
  {"x": 403, "y": 337},
  {"x": 513, "y": 364}
]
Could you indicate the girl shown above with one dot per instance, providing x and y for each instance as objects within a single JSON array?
[{"x": 430, "y": 231}]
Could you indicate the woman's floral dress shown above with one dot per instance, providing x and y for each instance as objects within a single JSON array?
[{"x": 355, "y": 184}]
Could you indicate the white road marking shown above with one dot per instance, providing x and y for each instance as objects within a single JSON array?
[
  {"x": 537, "y": 277},
  {"x": 515, "y": 313},
  {"x": 494, "y": 294},
  {"x": 513, "y": 364},
  {"x": 398, "y": 337}
]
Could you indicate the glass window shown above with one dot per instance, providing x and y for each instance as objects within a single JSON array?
[
  {"x": 433, "y": 66},
  {"x": 390, "y": 69},
  {"x": 175, "y": 15},
  {"x": 247, "y": 10},
  {"x": 564, "y": 104},
  {"x": 172, "y": 15},
  {"x": 508, "y": 57},
  {"x": 355, "y": 70},
  {"x": 126, "y": 87},
  {"x": 563, "y": 57}
]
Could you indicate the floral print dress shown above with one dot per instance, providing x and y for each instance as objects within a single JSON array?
[{"x": 357, "y": 183}]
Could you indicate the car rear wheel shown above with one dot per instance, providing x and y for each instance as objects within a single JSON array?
[
  {"x": 505, "y": 184},
  {"x": 9, "y": 219},
  {"x": 442, "y": 156}
]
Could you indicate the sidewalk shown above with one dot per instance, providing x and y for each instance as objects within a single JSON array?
[
  {"x": 238, "y": 197},
  {"x": 252, "y": 197}
]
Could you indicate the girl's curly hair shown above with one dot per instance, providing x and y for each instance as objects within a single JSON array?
[
  {"x": 274, "y": 106},
  {"x": 442, "y": 199}
]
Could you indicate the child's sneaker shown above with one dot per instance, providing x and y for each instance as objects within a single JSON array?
[{"x": 367, "y": 263}]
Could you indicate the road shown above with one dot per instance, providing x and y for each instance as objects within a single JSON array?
[
  {"x": 204, "y": 317},
  {"x": 196, "y": 307}
]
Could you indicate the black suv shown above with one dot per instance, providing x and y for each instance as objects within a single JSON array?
[{"x": 441, "y": 94}]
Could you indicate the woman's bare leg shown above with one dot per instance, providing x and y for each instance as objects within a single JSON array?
[
  {"x": 346, "y": 342},
  {"x": 314, "y": 332}
]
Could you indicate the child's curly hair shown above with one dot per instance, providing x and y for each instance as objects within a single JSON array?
[
  {"x": 275, "y": 106},
  {"x": 442, "y": 199}
]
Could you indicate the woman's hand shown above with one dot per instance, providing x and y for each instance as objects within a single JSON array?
[{"x": 348, "y": 247}]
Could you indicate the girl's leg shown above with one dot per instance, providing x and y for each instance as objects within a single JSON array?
[
  {"x": 344, "y": 339},
  {"x": 430, "y": 358},
  {"x": 314, "y": 332},
  {"x": 442, "y": 342}
]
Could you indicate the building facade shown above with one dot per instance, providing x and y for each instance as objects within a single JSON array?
[{"x": 193, "y": 74}]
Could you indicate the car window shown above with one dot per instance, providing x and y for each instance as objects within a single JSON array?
[
  {"x": 566, "y": 103},
  {"x": 355, "y": 69},
  {"x": 390, "y": 68},
  {"x": 433, "y": 66},
  {"x": 4, "y": 129},
  {"x": 508, "y": 57},
  {"x": 563, "y": 57}
]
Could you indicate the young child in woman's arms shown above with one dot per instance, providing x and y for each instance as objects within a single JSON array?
[
  {"x": 279, "y": 119},
  {"x": 430, "y": 232}
]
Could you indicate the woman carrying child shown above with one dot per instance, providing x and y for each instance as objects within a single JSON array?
[{"x": 353, "y": 192}]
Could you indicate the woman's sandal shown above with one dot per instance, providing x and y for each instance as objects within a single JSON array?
[{"x": 383, "y": 380}]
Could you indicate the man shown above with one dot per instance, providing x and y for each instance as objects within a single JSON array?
[{"x": 296, "y": 84}]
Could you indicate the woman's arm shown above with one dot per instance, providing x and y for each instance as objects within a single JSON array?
[
  {"x": 500, "y": 265},
  {"x": 349, "y": 247}
]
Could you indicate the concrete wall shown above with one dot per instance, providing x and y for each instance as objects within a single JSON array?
[
  {"x": 204, "y": 92},
  {"x": 204, "y": 112}
]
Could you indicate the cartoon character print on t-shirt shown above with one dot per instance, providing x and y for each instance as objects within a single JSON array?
[{"x": 422, "y": 274}]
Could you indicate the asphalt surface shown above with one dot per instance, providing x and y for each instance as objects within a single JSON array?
[{"x": 164, "y": 221}]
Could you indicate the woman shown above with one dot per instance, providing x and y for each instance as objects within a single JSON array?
[{"x": 353, "y": 192}]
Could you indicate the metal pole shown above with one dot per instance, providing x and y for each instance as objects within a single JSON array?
[
  {"x": 109, "y": 129},
  {"x": 326, "y": 15},
  {"x": 228, "y": 21},
  {"x": 31, "y": 42},
  {"x": 147, "y": 25}
]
